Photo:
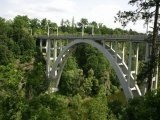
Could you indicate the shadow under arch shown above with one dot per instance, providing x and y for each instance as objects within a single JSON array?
[{"x": 128, "y": 93}]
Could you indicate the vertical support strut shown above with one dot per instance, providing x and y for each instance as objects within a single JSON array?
[
  {"x": 156, "y": 74},
  {"x": 129, "y": 63},
  {"x": 137, "y": 64},
  {"x": 82, "y": 30},
  {"x": 41, "y": 45},
  {"x": 61, "y": 45},
  {"x": 46, "y": 46},
  {"x": 147, "y": 52},
  {"x": 55, "y": 53},
  {"x": 156, "y": 82},
  {"x": 57, "y": 31},
  {"x": 48, "y": 49},
  {"x": 111, "y": 45},
  {"x": 103, "y": 42},
  {"x": 55, "y": 49},
  {"x": 123, "y": 52},
  {"x": 116, "y": 47}
]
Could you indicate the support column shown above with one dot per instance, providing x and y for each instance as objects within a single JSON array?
[
  {"x": 156, "y": 82},
  {"x": 116, "y": 47},
  {"x": 111, "y": 46},
  {"x": 123, "y": 52},
  {"x": 82, "y": 30},
  {"x": 156, "y": 74},
  {"x": 103, "y": 42},
  {"x": 41, "y": 45},
  {"x": 147, "y": 52},
  {"x": 55, "y": 54},
  {"x": 48, "y": 52},
  {"x": 137, "y": 64},
  {"x": 61, "y": 46},
  {"x": 55, "y": 50},
  {"x": 46, "y": 46},
  {"x": 129, "y": 63}
]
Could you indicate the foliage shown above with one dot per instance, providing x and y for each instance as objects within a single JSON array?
[
  {"x": 144, "y": 10},
  {"x": 85, "y": 84},
  {"x": 143, "y": 108},
  {"x": 147, "y": 10},
  {"x": 11, "y": 102}
]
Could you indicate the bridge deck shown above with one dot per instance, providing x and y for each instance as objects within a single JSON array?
[{"x": 135, "y": 38}]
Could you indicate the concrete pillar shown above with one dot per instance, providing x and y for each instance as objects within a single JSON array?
[
  {"x": 137, "y": 64},
  {"x": 41, "y": 45},
  {"x": 129, "y": 63},
  {"x": 103, "y": 42},
  {"x": 48, "y": 55},
  {"x": 116, "y": 50},
  {"x": 123, "y": 52},
  {"x": 55, "y": 49},
  {"x": 111, "y": 46},
  {"x": 61, "y": 47},
  {"x": 156, "y": 75},
  {"x": 46, "y": 45},
  {"x": 156, "y": 82},
  {"x": 55, "y": 53}
]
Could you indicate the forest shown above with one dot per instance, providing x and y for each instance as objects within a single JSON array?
[{"x": 88, "y": 90}]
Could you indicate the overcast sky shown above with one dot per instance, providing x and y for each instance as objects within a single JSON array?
[{"x": 101, "y": 11}]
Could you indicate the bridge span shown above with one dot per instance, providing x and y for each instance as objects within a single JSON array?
[{"x": 124, "y": 53}]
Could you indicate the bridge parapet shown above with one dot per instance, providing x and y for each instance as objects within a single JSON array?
[
  {"x": 98, "y": 37},
  {"x": 134, "y": 38}
]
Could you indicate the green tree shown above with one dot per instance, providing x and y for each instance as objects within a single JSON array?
[
  {"x": 97, "y": 109},
  {"x": 143, "y": 108},
  {"x": 2, "y": 26},
  {"x": 82, "y": 22},
  {"x": 146, "y": 10},
  {"x": 12, "y": 102},
  {"x": 88, "y": 83},
  {"x": 5, "y": 54},
  {"x": 34, "y": 26},
  {"x": 20, "y": 27},
  {"x": 36, "y": 82}
]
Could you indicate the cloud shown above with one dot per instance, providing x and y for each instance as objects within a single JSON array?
[
  {"x": 35, "y": 7},
  {"x": 103, "y": 11},
  {"x": 51, "y": 9},
  {"x": 99, "y": 10}
]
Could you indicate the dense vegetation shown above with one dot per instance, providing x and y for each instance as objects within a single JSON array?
[{"x": 89, "y": 89}]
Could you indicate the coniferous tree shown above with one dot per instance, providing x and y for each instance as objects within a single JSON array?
[{"x": 147, "y": 10}]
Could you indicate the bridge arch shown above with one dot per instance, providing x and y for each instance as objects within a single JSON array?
[{"x": 53, "y": 75}]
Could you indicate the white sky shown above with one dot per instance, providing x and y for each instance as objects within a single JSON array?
[{"x": 101, "y": 11}]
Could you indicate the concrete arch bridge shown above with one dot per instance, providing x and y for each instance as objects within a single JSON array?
[{"x": 124, "y": 53}]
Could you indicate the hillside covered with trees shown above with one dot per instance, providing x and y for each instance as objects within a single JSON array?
[{"x": 88, "y": 90}]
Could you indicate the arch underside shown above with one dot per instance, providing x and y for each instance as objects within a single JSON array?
[{"x": 120, "y": 69}]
